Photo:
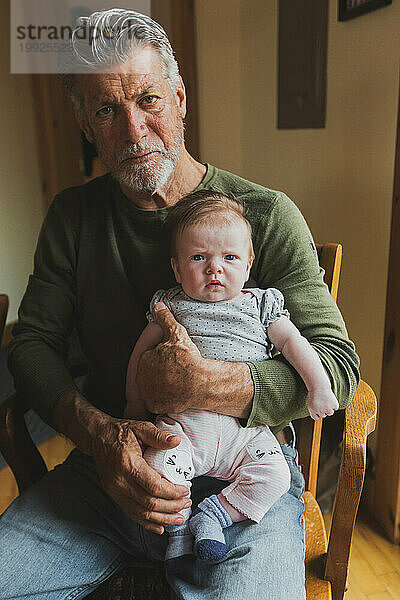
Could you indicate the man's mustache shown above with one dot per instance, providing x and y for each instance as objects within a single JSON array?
[{"x": 139, "y": 148}]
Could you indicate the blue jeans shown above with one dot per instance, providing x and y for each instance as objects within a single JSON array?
[{"x": 64, "y": 536}]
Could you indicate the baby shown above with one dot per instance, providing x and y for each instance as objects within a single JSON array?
[{"x": 212, "y": 254}]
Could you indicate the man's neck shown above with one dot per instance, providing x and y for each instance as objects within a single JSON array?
[{"x": 186, "y": 176}]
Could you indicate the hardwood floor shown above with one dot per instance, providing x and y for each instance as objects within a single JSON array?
[{"x": 374, "y": 563}]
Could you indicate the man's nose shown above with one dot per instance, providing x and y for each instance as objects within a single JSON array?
[{"x": 134, "y": 124}]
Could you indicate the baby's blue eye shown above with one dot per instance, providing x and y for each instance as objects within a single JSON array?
[
  {"x": 197, "y": 257},
  {"x": 230, "y": 257}
]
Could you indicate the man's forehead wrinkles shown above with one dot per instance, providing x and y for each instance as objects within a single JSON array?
[
  {"x": 115, "y": 93},
  {"x": 125, "y": 88},
  {"x": 135, "y": 86}
]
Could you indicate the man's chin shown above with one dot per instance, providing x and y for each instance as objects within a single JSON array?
[
  {"x": 145, "y": 183},
  {"x": 135, "y": 186}
]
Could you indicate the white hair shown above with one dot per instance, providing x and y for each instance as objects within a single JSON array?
[{"x": 108, "y": 38}]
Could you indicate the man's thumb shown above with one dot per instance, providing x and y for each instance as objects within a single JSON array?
[
  {"x": 165, "y": 319},
  {"x": 154, "y": 437}
]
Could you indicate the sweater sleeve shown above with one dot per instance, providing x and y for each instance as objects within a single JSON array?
[
  {"x": 286, "y": 259},
  {"x": 39, "y": 348}
]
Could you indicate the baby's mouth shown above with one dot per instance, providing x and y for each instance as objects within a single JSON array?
[{"x": 214, "y": 283}]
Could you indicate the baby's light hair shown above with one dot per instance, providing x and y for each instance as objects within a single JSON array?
[{"x": 205, "y": 207}]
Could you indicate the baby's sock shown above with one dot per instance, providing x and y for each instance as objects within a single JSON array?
[
  {"x": 207, "y": 526},
  {"x": 180, "y": 548}
]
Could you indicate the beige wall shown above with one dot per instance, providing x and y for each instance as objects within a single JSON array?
[
  {"x": 341, "y": 177},
  {"x": 20, "y": 194}
]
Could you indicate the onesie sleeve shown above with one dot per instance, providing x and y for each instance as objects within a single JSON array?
[
  {"x": 272, "y": 306},
  {"x": 159, "y": 296}
]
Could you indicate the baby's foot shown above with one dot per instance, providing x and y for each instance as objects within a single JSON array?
[{"x": 207, "y": 524}]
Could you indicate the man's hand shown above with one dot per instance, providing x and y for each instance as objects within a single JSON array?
[
  {"x": 169, "y": 376},
  {"x": 144, "y": 494},
  {"x": 116, "y": 446},
  {"x": 173, "y": 376}
]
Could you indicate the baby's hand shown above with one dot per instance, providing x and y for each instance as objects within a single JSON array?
[{"x": 322, "y": 403}]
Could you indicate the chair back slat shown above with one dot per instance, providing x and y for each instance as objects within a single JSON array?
[
  {"x": 3, "y": 313},
  {"x": 330, "y": 259},
  {"x": 309, "y": 431}
]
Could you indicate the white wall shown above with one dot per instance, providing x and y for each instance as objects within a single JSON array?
[
  {"x": 21, "y": 210},
  {"x": 341, "y": 177}
]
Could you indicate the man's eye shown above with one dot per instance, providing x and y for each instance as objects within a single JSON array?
[
  {"x": 230, "y": 257},
  {"x": 149, "y": 100},
  {"x": 197, "y": 257},
  {"x": 106, "y": 110}
]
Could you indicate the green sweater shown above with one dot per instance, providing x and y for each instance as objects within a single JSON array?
[{"x": 98, "y": 262}]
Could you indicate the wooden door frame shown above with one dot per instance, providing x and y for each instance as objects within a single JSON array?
[
  {"x": 387, "y": 484},
  {"x": 178, "y": 19}
]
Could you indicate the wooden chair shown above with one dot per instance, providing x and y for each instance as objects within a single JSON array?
[
  {"x": 326, "y": 562},
  {"x": 3, "y": 313}
]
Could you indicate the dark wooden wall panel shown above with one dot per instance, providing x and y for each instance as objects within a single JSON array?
[{"x": 302, "y": 56}]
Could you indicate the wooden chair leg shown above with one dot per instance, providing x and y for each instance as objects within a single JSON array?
[{"x": 360, "y": 419}]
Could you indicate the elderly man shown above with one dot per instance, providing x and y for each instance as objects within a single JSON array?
[{"x": 102, "y": 252}]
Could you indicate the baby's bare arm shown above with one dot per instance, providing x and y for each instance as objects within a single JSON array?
[
  {"x": 149, "y": 338},
  {"x": 298, "y": 351}
]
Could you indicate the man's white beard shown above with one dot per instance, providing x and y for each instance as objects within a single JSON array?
[
  {"x": 149, "y": 176},
  {"x": 153, "y": 174}
]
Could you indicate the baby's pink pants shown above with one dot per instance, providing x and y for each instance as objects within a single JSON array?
[{"x": 216, "y": 445}]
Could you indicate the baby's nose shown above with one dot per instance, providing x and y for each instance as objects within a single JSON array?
[{"x": 214, "y": 267}]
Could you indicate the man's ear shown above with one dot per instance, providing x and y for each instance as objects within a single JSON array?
[
  {"x": 175, "y": 267},
  {"x": 84, "y": 125},
  {"x": 181, "y": 97}
]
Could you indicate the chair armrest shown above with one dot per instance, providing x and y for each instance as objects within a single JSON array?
[
  {"x": 16, "y": 444},
  {"x": 360, "y": 420}
]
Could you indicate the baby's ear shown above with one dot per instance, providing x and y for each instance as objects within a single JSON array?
[
  {"x": 249, "y": 265},
  {"x": 174, "y": 265}
]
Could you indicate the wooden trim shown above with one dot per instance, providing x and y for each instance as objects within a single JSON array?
[{"x": 387, "y": 497}]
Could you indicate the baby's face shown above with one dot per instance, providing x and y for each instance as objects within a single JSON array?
[{"x": 213, "y": 262}]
